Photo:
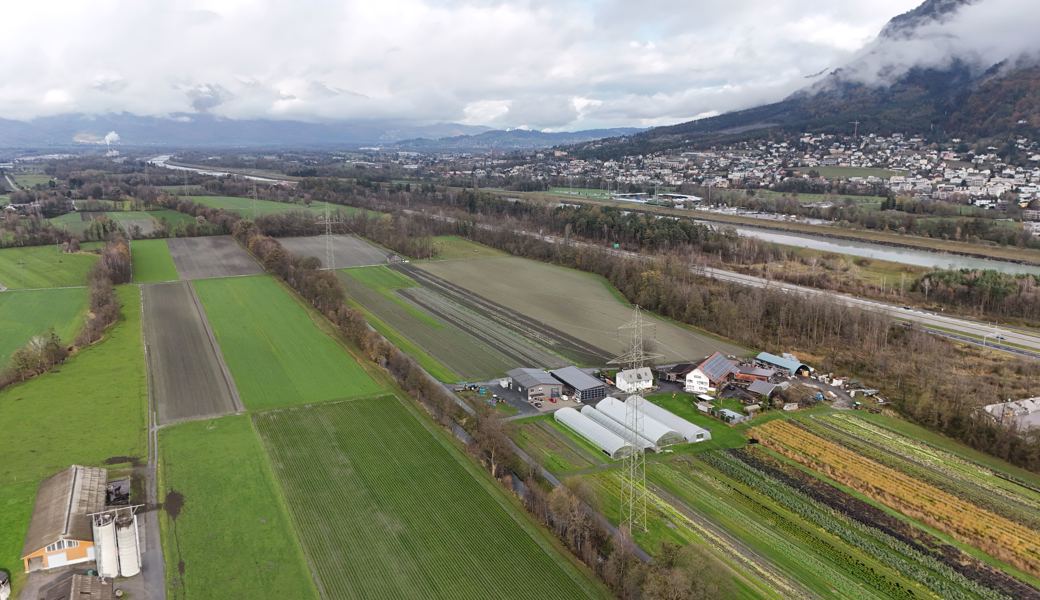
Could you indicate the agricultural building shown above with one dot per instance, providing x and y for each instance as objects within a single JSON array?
[
  {"x": 60, "y": 529},
  {"x": 624, "y": 432},
  {"x": 689, "y": 431},
  {"x": 1024, "y": 414},
  {"x": 631, "y": 381},
  {"x": 536, "y": 384},
  {"x": 753, "y": 373},
  {"x": 710, "y": 374},
  {"x": 763, "y": 389},
  {"x": 606, "y": 440},
  {"x": 787, "y": 363},
  {"x": 652, "y": 429},
  {"x": 675, "y": 373},
  {"x": 731, "y": 416},
  {"x": 580, "y": 385},
  {"x": 78, "y": 587}
]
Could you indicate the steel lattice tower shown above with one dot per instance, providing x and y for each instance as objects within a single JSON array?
[
  {"x": 330, "y": 249},
  {"x": 633, "y": 486}
]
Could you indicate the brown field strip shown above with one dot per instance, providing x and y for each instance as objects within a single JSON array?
[
  {"x": 348, "y": 250},
  {"x": 208, "y": 257}
]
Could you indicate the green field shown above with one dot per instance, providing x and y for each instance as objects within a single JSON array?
[
  {"x": 387, "y": 509},
  {"x": 94, "y": 407},
  {"x": 583, "y": 192},
  {"x": 30, "y": 180},
  {"x": 152, "y": 261},
  {"x": 453, "y": 247},
  {"x": 232, "y": 531},
  {"x": 244, "y": 206},
  {"x": 24, "y": 314},
  {"x": 43, "y": 267},
  {"x": 72, "y": 222},
  {"x": 5, "y": 199},
  {"x": 173, "y": 218},
  {"x": 276, "y": 353}
]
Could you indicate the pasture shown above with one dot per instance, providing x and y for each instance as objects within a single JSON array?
[
  {"x": 276, "y": 352},
  {"x": 245, "y": 206},
  {"x": 453, "y": 247},
  {"x": 28, "y": 313},
  {"x": 188, "y": 381},
  {"x": 43, "y": 267},
  {"x": 578, "y": 304},
  {"x": 348, "y": 250},
  {"x": 217, "y": 256},
  {"x": 90, "y": 409},
  {"x": 152, "y": 261},
  {"x": 373, "y": 492},
  {"x": 73, "y": 222},
  {"x": 31, "y": 180},
  {"x": 225, "y": 530}
]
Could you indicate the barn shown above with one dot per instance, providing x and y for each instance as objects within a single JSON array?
[
  {"x": 580, "y": 385},
  {"x": 60, "y": 529},
  {"x": 632, "y": 381},
  {"x": 787, "y": 363},
  {"x": 536, "y": 384}
]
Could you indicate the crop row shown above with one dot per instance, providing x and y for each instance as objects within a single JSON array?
[
  {"x": 1014, "y": 543},
  {"x": 898, "y": 555}
]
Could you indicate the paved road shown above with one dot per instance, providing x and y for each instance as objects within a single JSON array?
[{"x": 10, "y": 183}]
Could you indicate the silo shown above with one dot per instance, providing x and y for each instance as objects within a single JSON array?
[
  {"x": 129, "y": 553},
  {"x": 106, "y": 552}
]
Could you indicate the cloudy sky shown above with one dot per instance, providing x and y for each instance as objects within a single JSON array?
[{"x": 557, "y": 64}]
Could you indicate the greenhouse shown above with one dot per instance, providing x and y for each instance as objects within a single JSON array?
[
  {"x": 652, "y": 429},
  {"x": 606, "y": 440},
  {"x": 689, "y": 431},
  {"x": 624, "y": 432}
]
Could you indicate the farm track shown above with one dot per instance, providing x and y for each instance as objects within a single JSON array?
[
  {"x": 515, "y": 348},
  {"x": 184, "y": 363},
  {"x": 565, "y": 344}
]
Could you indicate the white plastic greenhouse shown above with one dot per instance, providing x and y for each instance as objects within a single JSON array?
[
  {"x": 653, "y": 430},
  {"x": 689, "y": 431},
  {"x": 601, "y": 437},
  {"x": 624, "y": 432}
]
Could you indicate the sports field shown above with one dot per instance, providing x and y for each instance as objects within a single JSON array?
[
  {"x": 387, "y": 509},
  {"x": 579, "y": 304},
  {"x": 226, "y": 533},
  {"x": 245, "y": 206},
  {"x": 28, "y": 313},
  {"x": 152, "y": 261},
  {"x": 276, "y": 353},
  {"x": 43, "y": 267},
  {"x": 91, "y": 409}
]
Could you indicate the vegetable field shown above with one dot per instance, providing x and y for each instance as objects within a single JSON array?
[
  {"x": 226, "y": 533},
  {"x": 276, "y": 352},
  {"x": 387, "y": 509}
]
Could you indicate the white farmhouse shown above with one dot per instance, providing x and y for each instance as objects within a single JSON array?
[{"x": 632, "y": 381}]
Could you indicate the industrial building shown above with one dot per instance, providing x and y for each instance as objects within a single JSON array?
[
  {"x": 606, "y": 440},
  {"x": 536, "y": 384},
  {"x": 632, "y": 381},
  {"x": 580, "y": 385}
]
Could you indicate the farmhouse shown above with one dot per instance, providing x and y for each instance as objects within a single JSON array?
[
  {"x": 787, "y": 363},
  {"x": 631, "y": 381},
  {"x": 60, "y": 529},
  {"x": 580, "y": 385},
  {"x": 712, "y": 372},
  {"x": 535, "y": 383}
]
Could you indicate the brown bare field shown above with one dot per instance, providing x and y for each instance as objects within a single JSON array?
[
  {"x": 350, "y": 250},
  {"x": 576, "y": 303},
  {"x": 207, "y": 257},
  {"x": 186, "y": 372}
]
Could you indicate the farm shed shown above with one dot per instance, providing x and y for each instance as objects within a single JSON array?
[
  {"x": 78, "y": 587},
  {"x": 536, "y": 384},
  {"x": 653, "y": 430},
  {"x": 60, "y": 530},
  {"x": 689, "y": 431},
  {"x": 624, "y": 432},
  {"x": 675, "y": 373},
  {"x": 787, "y": 363},
  {"x": 713, "y": 371},
  {"x": 753, "y": 373},
  {"x": 581, "y": 385},
  {"x": 763, "y": 389},
  {"x": 635, "y": 380},
  {"x": 606, "y": 440},
  {"x": 731, "y": 416}
]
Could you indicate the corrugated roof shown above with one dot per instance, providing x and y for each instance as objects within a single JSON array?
[
  {"x": 577, "y": 379},
  {"x": 792, "y": 365},
  {"x": 763, "y": 388},
  {"x": 78, "y": 587},
  {"x": 532, "y": 377},
  {"x": 62, "y": 504},
  {"x": 717, "y": 367}
]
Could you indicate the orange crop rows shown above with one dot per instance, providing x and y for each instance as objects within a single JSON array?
[{"x": 1016, "y": 544}]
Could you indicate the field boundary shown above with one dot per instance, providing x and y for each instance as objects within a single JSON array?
[{"x": 224, "y": 371}]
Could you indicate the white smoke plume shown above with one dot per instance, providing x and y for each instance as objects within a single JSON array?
[{"x": 111, "y": 138}]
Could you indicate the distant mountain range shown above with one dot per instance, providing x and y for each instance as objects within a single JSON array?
[
  {"x": 201, "y": 130},
  {"x": 896, "y": 84}
]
